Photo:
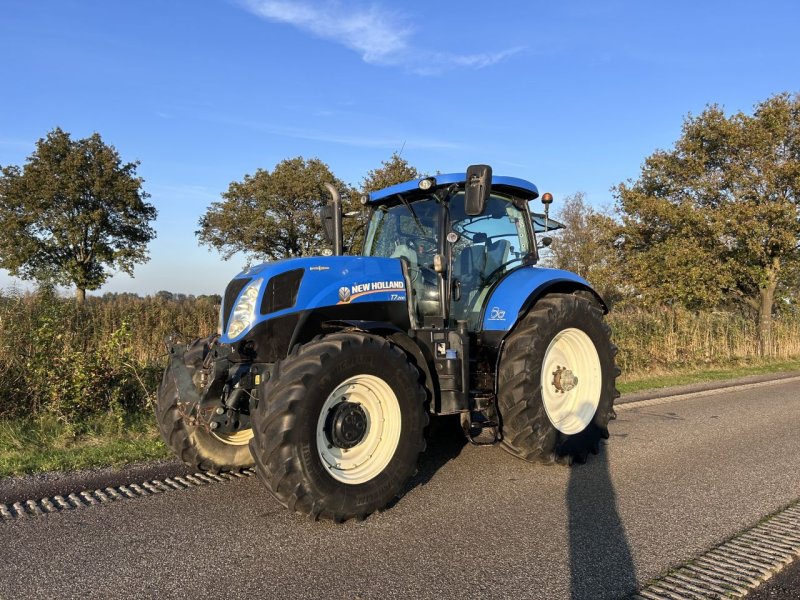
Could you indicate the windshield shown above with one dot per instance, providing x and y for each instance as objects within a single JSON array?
[
  {"x": 501, "y": 222},
  {"x": 404, "y": 231}
]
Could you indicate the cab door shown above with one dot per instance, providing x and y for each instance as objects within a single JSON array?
[{"x": 488, "y": 246}]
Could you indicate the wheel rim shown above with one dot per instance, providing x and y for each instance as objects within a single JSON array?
[
  {"x": 238, "y": 438},
  {"x": 370, "y": 456},
  {"x": 571, "y": 381}
]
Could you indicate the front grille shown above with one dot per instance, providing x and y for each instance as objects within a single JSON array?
[
  {"x": 281, "y": 291},
  {"x": 231, "y": 293}
]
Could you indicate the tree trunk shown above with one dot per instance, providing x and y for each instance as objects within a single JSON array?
[
  {"x": 765, "y": 316},
  {"x": 80, "y": 295}
]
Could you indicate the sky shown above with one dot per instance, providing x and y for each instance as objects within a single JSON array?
[{"x": 571, "y": 95}]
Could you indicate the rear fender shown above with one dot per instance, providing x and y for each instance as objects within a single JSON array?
[{"x": 518, "y": 291}]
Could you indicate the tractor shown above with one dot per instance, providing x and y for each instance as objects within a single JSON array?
[{"x": 326, "y": 369}]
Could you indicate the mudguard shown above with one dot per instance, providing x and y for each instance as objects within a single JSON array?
[{"x": 518, "y": 290}]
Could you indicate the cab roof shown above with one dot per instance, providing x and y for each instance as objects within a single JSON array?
[{"x": 509, "y": 185}]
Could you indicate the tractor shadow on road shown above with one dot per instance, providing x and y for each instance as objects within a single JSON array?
[
  {"x": 445, "y": 441},
  {"x": 601, "y": 563}
]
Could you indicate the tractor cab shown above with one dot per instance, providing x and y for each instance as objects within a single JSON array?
[{"x": 454, "y": 253}]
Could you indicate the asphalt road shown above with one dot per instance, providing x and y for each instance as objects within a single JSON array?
[{"x": 674, "y": 480}]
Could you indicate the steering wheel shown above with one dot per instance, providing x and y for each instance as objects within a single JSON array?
[{"x": 422, "y": 244}]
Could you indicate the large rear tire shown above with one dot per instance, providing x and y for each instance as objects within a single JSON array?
[
  {"x": 556, "y": 385},
  {"x": 340, "y": 426},
  {"x": 196, "y": 447}
]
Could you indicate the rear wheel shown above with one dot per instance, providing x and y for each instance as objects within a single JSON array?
[
  {"x": 195, "y": 446},
  {"x": 339, "y": 428},
  {"x": 556, "y": 381}
]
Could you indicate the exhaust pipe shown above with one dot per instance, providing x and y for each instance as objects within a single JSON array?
[{"x": 337, "y": 219}]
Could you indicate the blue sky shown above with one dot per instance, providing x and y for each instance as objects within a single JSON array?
[{"x": 571, "y": 95}]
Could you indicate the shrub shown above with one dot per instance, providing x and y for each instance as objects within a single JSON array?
[{"x": 106, "y": 356}]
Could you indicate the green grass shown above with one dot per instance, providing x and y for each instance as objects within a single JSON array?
[
  {"x": 643, "y": 381},
  {"x": 46, "y": 444}
]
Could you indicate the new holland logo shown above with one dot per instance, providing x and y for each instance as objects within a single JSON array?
[{"x": 346, "y": 294}]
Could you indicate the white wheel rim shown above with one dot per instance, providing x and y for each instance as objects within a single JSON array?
[
  {"x": 571, "y": 404},
  {"x": 238, "y": 438},
  {"x": 372, "y": 454}
]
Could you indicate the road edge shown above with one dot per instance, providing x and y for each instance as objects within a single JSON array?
[
  {"x": 704, "y": 386},
  {"x": 735, "y": 567}
]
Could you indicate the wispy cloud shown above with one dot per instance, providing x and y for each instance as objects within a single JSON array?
[
  {"x": 385, "y": 141},
  {"x": 380, "y": 36}
]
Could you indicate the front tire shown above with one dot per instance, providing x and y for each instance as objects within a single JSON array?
[
  {"x": 557, "y": 381},
  {"x": 340, "y": 426}
]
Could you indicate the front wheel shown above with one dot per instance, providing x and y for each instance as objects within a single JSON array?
[
  {"x": 556, "y": 385},
  {"x": 339, "y": 427}
]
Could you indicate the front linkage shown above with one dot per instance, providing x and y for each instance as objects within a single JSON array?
[{"x": 215, "y": 386}]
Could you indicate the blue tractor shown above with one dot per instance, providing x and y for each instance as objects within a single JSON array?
[{"x": 325, "y": 369}]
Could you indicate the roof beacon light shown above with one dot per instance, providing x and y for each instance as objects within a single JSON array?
[
  {"x": 427, "y": 183},
  {"x": 547, "y": 200}
]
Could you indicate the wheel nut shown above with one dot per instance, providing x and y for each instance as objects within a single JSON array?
[{"x": 219, "y": 410}]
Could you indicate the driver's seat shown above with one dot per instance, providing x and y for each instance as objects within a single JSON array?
[{"x": 496, "y": 255}]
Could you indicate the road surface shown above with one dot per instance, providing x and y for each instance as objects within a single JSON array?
[{"x": 674, "y": 480}]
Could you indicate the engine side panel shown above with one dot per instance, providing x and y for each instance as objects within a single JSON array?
[
  {"x": 326, "y": 282},
  {"x": 520, "y": 288}
]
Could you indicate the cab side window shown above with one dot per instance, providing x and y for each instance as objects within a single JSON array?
[{"x": 489, "y": 245}]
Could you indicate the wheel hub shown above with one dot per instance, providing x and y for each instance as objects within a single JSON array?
[
  {"x": 346, "y": 425},
  {"x": 564, "y": 380}
]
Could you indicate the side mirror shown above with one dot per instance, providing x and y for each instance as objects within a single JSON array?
[{"x": 477, "y": 189}]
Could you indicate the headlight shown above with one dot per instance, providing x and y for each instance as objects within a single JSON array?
[{"x": 245, "y": 310}]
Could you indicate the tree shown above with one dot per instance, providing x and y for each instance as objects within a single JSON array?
[
  {"x": 391, "y": 172},
  {"x": 272, "y": 215},
  {"x": 73, "y": 212},
  {"x": 586, "y": 245},
  {"x": 716, "y": 217}
]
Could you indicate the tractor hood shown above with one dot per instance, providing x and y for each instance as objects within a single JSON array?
[{"x": 275, "y": 289}]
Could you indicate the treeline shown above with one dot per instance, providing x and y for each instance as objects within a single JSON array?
[{"x": 712, "y": 223}]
